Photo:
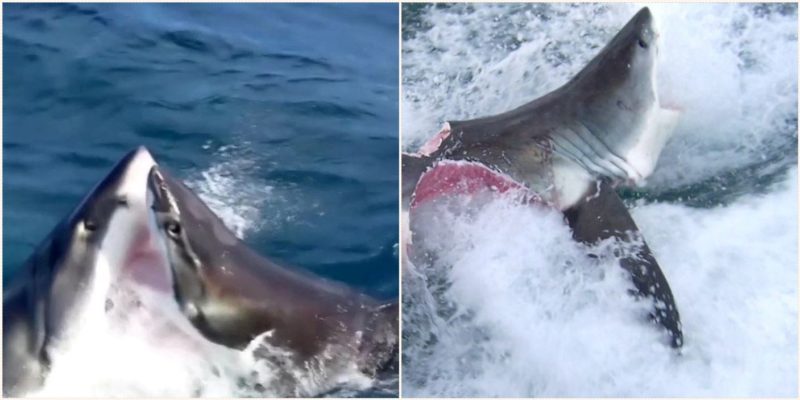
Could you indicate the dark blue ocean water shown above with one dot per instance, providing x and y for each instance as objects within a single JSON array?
[
  {"x": 283, "y": 116},
  {"x": 286, "y": 115}
]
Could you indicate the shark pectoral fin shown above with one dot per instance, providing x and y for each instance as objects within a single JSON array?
[{"x": 602, "y": 215}]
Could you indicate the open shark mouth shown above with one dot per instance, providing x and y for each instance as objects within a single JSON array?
[
  {"x": 132, "y": 246},
  {"x": 146, "y": 263}
]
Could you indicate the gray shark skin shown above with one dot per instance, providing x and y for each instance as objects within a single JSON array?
[
  {"x": 66, "y": 280},
  {"x": 602, "y": 128},
  {"x": 233, "y": 295}
]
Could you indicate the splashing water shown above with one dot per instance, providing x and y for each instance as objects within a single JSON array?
[
  {"x": 234, "y": 174},
  {"x": 512, "y": 306},
  {"x": 160, "y": 348}
]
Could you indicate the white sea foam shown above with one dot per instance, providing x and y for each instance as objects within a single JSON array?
[
  {"x": 230, "y": 189},
  {"x": 142, "y": 347},
  {"x": 513, "y": 307},
  {"x": 518, "y": 309},
  {"x": 152, "y": 350}
]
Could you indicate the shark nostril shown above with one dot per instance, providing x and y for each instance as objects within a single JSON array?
[{"x": 122, "y": 201}]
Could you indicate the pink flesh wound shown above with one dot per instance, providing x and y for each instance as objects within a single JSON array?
[
  {"x": 433, "y": 144},
  {"x": 449, "y": 178}
]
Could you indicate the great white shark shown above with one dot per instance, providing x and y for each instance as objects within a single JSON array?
[
  {"x": 99, "y": 252},
  {"x": 142, "y": 244},
  {"x": 571, "y": 147}
]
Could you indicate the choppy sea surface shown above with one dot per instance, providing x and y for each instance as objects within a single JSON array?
[
  {"x": 513, "y": 307},
  {"x": 282, "y": 117}
]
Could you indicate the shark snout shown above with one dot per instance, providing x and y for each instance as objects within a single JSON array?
[
  {"x": 644, "y": 26},
  {"x": 133, "y": 182},
  {"x": 643, "y": 19}
]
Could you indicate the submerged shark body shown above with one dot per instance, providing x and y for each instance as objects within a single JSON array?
[
  {"x": 115, "y": 263},
  {"x": 570, "y": 147}
]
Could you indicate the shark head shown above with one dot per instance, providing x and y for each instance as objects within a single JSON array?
[
  {"x": 201, "y": 251},
  {"x": 175, "y": 209},
  {"x": 617, "y": 111},
  {"x": 628, "y": 60},
  {"x": 107, "y": 241},
  {"x": 105, "y": 246}
]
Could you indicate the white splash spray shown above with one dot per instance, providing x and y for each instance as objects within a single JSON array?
[
  {"x": 513, "y": 307},
  {"x": 228, "y": 187}
]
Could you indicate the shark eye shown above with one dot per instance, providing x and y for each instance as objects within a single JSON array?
[
  {"x": 173, "y": 228},
  {"x": 643, "y": 44},
  {"x": 89, "y": 225}
]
